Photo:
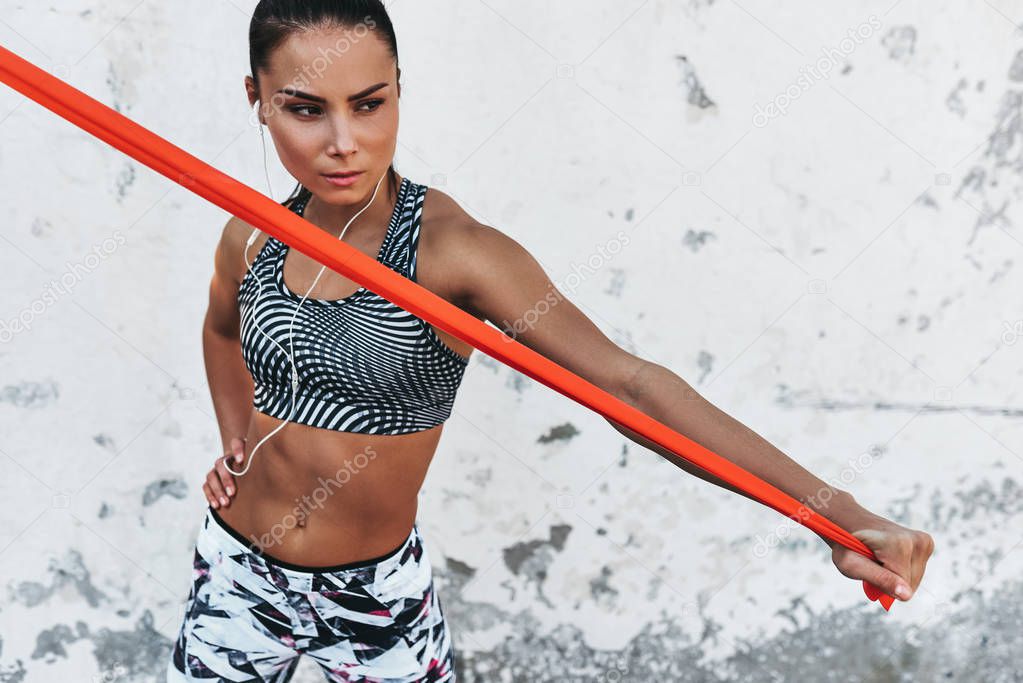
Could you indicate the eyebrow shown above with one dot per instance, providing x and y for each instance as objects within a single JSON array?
[{"x": 351, "y": 98}]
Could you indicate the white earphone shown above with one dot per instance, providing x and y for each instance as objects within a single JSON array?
[{"x": 291, "y": 329}]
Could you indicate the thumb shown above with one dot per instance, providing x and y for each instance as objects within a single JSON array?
[
  {"x": 856, "y": 566},
  {"x": 238, "y": 446}
]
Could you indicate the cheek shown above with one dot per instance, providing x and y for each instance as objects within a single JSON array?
[
  {"x": 381, "y": 130},
  {"x": 296, "y": 144},
  {"x": 298, "y": 152}
]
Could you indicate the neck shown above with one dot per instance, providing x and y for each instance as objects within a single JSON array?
[{"x": 333, "y": 218}]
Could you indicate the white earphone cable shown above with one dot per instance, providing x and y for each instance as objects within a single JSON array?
[{"x": 291, "y": 329}]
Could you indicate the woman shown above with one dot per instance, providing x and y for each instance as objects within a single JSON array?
[{"x": 317, "y": 552}]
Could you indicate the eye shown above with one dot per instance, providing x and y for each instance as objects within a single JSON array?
[
  {"x": 302, "y": 108},
  {"x": 376, "y": 104}
]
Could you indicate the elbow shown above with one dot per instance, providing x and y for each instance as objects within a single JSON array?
[
  {"x": 653, "y": 390},
  {"x": 631, "y": 386},
  {"x": 641, "y": 379},
  {"x": 649, "y": 381}
]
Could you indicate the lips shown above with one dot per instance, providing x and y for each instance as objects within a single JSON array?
[{"x": 342, "y": 174}]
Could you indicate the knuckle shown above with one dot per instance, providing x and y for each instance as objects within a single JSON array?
[
  {"x": 845, "y": 566},
  {"x": 905, "y": 543},
  {"x": 928, "y": 542}
]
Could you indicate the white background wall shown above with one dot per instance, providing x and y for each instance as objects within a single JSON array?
[{"x": 842, "y": 277}]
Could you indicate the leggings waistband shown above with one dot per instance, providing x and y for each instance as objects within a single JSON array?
[{"x": 251, "y": 547}]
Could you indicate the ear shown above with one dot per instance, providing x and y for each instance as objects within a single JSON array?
[
  {"x": 399, "y": 81},
  {"x": 253, "y": 95}
]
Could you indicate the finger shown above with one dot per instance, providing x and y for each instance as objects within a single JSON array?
[
  {"x": 226, "y": 478},
  {"x": 209, "y": 495},
  {"x": 856, "y": 566},
  {"x": 893, "y": 553},
  {"x": 916, "y": 559},
  {"x": 213, "y": 479},
  {"x": 905, "y": 548},
  {"x": 916, "y": 568},
  {"x": 925, "y": 550}
]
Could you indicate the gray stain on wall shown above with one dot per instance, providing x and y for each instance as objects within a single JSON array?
[
  {"x": 614, "y": 288},
  {"x": 530, "y": 560},
  {"x": 969, "y": 638},
  {"x": 67, "y": 572},
  {"x": 695, "y": 93},
  {"x": 795, "y": 398},
  {"x": 137, "y": 654},
  {"x": 28, "y": 394},
  {"x": 695, "y": 241},
  {"x": 176, "y": 488},
  {"x": 900, "y": 42},
  {"x": 562, "y": 432},
  {"x": 705, "y": 361}
]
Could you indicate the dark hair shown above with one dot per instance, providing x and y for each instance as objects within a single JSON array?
[{"x": 274, "y": 21}]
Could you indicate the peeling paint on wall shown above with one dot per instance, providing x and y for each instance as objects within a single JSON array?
[{"x": 583, "y": 557}]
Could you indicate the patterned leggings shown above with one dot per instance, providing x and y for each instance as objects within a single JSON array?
[{"x": 249, "y": 616}]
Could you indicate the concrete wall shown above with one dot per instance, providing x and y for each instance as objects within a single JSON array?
[{"x": 807, "y": 210}]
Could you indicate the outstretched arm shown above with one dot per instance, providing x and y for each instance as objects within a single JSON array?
[
  {"x": 501, "y": 282},
  {"x": 667, "y": 398}
]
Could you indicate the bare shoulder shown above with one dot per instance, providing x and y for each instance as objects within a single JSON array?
[
  {"x": 451, "y": 230},
  {"x": 498, "y": 280},
  {"x": 232, "y": 259},
  {"x": 451, "y": 242},
  {"x": 445, "y": 219},
  {"x": 229, "y": 263}
]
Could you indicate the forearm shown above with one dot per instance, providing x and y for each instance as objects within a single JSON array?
[
  {"x": 670, "y": 400},
  {"x": 229, "y": 383}
]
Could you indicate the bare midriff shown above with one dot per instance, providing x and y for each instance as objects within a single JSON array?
[{"x": 317, "y": 497}]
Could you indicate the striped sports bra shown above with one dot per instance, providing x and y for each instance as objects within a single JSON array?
[{"x": 364, "y": 364}]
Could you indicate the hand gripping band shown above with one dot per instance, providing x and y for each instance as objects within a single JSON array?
[{"x": 264, "y": 213}]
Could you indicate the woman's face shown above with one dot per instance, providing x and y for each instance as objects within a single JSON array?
[{"x": 330, "y": 101}]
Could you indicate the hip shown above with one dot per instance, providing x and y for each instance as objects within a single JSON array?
[
  {"x": 248, "y": 612},
  {"x": 401, "y": 567}
]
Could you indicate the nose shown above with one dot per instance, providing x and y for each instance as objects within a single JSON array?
[{"x": 342, "y": 137}]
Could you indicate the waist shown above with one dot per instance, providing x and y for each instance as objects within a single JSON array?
[
  {"x": 263, "y": 549},
  {"x": 328, "y": 497}
]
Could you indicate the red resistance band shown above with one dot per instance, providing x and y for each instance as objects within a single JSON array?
[{"x": 277, "y": 220}]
